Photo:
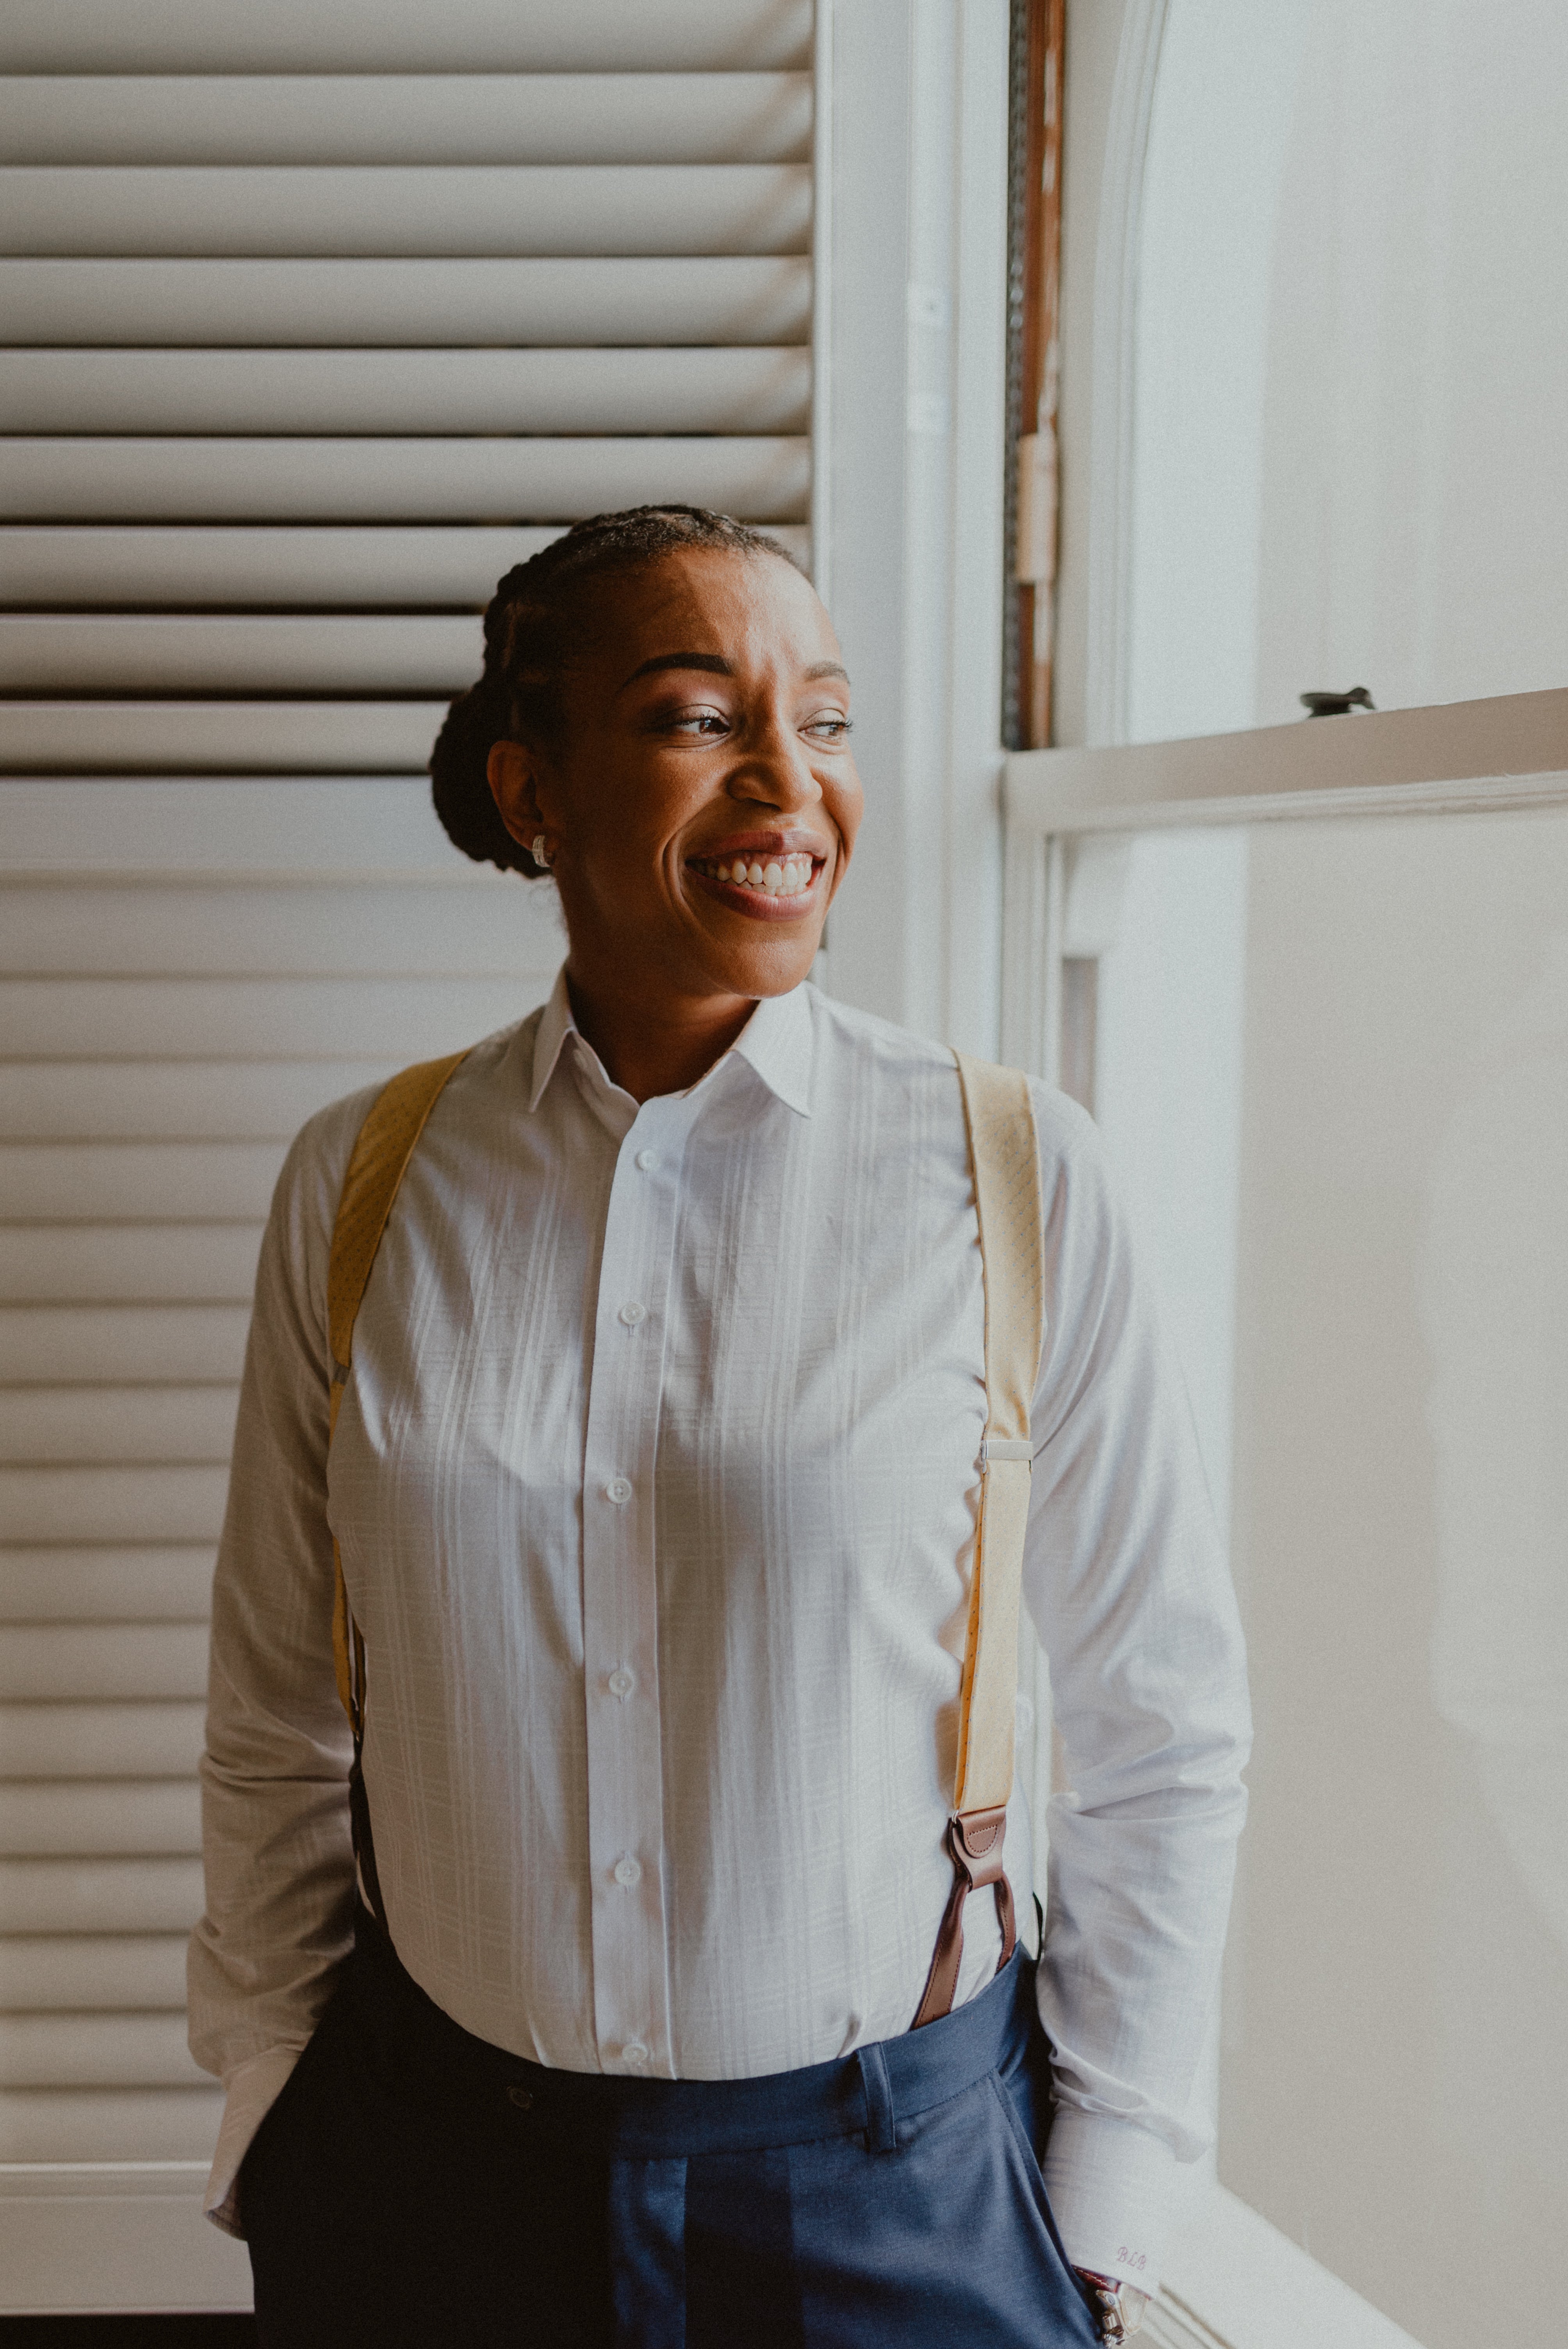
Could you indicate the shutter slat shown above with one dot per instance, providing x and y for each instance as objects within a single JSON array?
[
  {"x": 204, "y": 1263},
  {"x": 73, "y": 1663},
  {"x": 102, "y": 1896},
  {"x": 189, "y": 566},
  {"x": 405, "y": 36},
  {"x": 425, "y": 209},
  {"x": 397, "y": 304},
  {"x": 177, "y": 1183},
  {"x": 85, "y": 1183},
  {"x": 139, "y": 1738},
  {"x": 166, "y": 1586},
  {"x": 299, "y": 738},
  {"x": 109, "y": 653},
  {"x": 83, "y": 2125},
  {"x": 45, "y": 1972},
  {"x": 516, "y": 118},
  {"x": 96, "y": 1819},
  {"x": 302, "y": 932},
  {"x": 766, "y": 390},
  {"x": 106, "y": 1504},
  {"x": 123, "y": 1342},
  {"x": 253, "y": 1019},
  {"x": 105, "y": 1424},
  {"x": 243, "y": 825},
  {"x": 179, "y": 1101},
  {"x": 762, "y": 477},
  {"x": 91, "y": 2050}
]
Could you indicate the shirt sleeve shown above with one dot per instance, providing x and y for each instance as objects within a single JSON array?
[
  {"x": 1129, "y": 1591},
  {"x": 276, "y": 1843}
]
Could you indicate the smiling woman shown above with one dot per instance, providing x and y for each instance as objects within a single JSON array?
[
  {"x": 663, "y": 725},
  {"x": 657, "y": 1409}
]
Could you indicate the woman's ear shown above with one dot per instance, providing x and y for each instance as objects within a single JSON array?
[{"x": 509, "y": 771}]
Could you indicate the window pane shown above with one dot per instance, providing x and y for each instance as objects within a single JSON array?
[
  {"x": 1352, "y": 339},
  {"x": 1332, "y": 1070}
]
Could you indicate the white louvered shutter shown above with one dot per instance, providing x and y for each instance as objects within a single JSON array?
[{"x": 314, "y": 320}]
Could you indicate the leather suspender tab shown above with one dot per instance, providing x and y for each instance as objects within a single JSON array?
[{"x": 975, "y": 1841}]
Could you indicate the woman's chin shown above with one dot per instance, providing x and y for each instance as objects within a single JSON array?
[{"x": 766, "y": 958}]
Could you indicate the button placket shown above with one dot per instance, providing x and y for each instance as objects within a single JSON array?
[{"x": 620, "y": 1626}]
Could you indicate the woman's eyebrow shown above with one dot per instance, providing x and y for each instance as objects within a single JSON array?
[
  {"x": 714, "y": 663},
  {"x": 716, "y": 666}
]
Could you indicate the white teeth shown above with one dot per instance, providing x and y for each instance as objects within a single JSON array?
[{"x": 777, "y": 876}]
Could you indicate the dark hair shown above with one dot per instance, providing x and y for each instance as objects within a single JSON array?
[{"x": 535, "y": 623}]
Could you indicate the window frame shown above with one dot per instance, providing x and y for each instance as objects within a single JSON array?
[
  {"x": 1508, "y": 751},
  {"x": 1235, "y": 2281}
]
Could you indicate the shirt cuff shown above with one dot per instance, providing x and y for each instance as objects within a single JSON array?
[
  {"x": 253, "y": 2089},
  {"x": 1111, "y": 2186}
]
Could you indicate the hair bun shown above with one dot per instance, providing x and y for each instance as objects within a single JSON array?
[{"x": 459, "y": 782}]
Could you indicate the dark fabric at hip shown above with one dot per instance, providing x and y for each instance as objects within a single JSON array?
[{"x": 414, "y": 2184}]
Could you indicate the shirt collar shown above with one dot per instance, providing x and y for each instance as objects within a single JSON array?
[
  {"x": 776, "y": 1042},
  {"x": 554, "y": 1027}
]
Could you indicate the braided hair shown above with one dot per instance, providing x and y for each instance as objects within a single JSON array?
[{"x": 535, "y": 621}]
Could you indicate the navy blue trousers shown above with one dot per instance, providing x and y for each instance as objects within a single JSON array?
[{"x": 416, "y": 2186}]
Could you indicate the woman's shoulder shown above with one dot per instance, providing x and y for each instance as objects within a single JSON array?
[
  {"x": 849, "y": 1035},
  {"x": 311, "y": 1181}
]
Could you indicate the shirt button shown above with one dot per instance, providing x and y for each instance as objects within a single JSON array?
[
  {"x": 633, "y": 2051},
  {"x": 632, "y": 1313},
  {"x": 618, "y": 1490},
  {"x": 628, "y": 1872},
  {"x": 647, "y": 1160},
  {"x": 621, "y": 1681}
]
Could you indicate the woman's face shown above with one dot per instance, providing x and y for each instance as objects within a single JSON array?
[{"x": 701, "y": 803}]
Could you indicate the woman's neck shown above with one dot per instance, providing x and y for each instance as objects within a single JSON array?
[{"x": 650, "y": 1044}]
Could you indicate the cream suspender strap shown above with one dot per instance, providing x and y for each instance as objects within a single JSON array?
[
  {"x": 380, "y": 1158},
  {"x": 1005, "y": 1161}
]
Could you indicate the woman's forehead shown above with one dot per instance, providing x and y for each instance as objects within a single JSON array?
[{"x": 721, "y": 602}]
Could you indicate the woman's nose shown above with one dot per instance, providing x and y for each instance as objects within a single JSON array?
[{"x": 778, "y": 769}]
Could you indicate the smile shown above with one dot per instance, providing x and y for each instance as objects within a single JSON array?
[{"x": 771, "y": 877}]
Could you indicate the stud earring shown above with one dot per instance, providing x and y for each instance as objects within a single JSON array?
[{"x": 538, "y": 851}]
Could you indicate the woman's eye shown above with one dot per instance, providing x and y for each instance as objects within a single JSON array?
[
  {"x": 832, "y": 728},
  {"x": 699, "y": 722}
]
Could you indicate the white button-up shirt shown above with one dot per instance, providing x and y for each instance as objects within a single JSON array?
[{"x": 656, "y": 1486}]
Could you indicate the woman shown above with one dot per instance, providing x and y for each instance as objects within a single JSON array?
[{"x": 655, "y": 1486}]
